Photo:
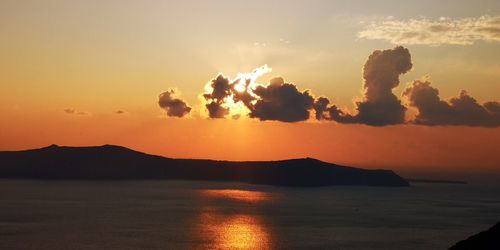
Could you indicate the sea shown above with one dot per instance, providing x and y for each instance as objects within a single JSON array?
[{"x": 165, "y": 214}]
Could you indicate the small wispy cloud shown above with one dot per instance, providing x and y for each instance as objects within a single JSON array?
[
  {"x": 462, "y": 31},
  {"x": 72, "y": 111}
]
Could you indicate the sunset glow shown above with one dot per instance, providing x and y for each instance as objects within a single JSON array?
[
  {"x": 235, "y": 125},
  {"x": 85, "y": 73}
]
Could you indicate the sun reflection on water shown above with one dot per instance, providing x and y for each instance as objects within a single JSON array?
[
  {"x": 224, "y": 228},
  {"x": 235, "y": 231},
  {"x": 236, "y": 194}
]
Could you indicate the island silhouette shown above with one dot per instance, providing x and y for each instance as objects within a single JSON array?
[{"x": 110, "y": 162}]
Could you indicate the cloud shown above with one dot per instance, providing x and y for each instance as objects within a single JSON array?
[
  {"x": 218, "y": 90},
  {"x": 120, "y": 112},
  {"x": 325, "y": 112},
  {"x": 281, "y": 101},
  {"x": 174, "y": 106},
  {"x": 69, "y": 111},
  {"x": 379, "y": 106},
  {"x": 460, "y": 110},
  {"x": 320, "y": 107},
  {"x": 277, "y": 101},
  {"x": 463, "y": 31},
  {"x": 216, "y": 110},
  {"x": 72, "y": 111},
  {"x": 492, "y": 107}
]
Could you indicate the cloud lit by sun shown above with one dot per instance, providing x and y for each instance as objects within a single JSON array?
[
  {"x": 243, "y": 84},
  {"x": 278, "y": 100}
]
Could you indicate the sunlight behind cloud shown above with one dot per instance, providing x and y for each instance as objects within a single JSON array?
[{"x": 226, "y": 96}]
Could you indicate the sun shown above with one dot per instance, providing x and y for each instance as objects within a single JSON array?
[
  {"x": 247, "y": 81},
  {"x": 243, "y": 84},
  {"x": 240, "y": 86},
  {"x": 236, "y": 109}
]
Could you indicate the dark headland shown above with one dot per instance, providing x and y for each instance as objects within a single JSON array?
[
  {"x": 486, "y": 240},
  {"x": 110, "y": 162}
]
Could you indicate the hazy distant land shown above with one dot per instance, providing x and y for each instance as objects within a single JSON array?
[{"x": 435, "y": 181}]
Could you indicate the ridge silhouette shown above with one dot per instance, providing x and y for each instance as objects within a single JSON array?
[{"x": 111, "y": 162}]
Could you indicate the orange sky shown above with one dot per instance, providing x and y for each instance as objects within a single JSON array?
[{"x": 406, "y": 148}]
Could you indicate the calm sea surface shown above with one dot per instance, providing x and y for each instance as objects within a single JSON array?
[{"x": 210, "y": 215}]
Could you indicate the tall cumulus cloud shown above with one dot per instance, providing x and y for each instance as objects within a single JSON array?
[{"x": 379, "y": 106}]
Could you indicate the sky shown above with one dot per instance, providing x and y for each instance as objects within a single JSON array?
[{"x": 96, "y": 72}]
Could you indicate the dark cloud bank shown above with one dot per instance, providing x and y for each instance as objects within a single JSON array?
[
  {"x": 460, "y": 110},
  {"x": 379, "y": 106}
]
